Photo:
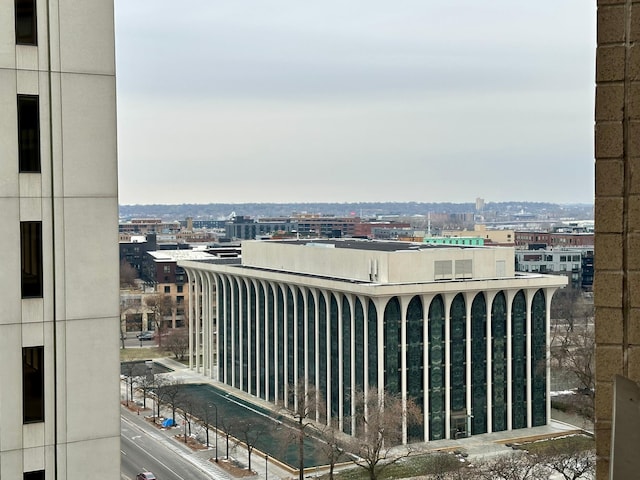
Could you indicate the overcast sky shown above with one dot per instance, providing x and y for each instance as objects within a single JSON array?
[{"x": 355, "y": 100}]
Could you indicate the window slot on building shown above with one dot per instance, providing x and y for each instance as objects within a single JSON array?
[
  {"x": 464, "y": 268},
  {"x": 31, "y": 259},
  {"x": 33, "y": 384},
  {"x": 28, "y": 134},
  {"x": 34, "y": 475},
  {"x": 442, "y": 269},
  {"x": 25, "y": 16}
]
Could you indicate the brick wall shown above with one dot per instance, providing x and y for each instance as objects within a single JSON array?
[{"x": 617, "y": 208}]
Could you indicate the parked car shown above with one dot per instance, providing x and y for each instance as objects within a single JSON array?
[
  {"x": 145, "y": 336},
  {"x": 145, "y": 476}
]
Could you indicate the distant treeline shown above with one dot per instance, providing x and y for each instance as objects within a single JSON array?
[{"x": 364, "y": 209}]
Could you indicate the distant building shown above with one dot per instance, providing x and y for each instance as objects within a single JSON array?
[
  {"x": 503, "y": 237},
  {"x": 133, "y": 248},
  {"x": 59, "y": 382},
  {"x": 554, "y": 239},
  {"x": 476, "y": 241},
  {"x": 456, "y": 328},
  {"x": 325, "y": 226},
  {"x": 574, "y": 263},
  {"x": 162, "y": 272},
  {"x": 143, "y": 226},
  {"x": 247, "y": 228}
]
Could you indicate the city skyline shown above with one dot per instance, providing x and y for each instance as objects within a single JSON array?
[{"x": 290, "y": 102}]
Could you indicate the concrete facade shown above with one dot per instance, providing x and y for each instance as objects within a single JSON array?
[
  {"x": 455, "y": 328},
  {"x": 68, "y": 67},
  {"x": 617, "y": 211}
]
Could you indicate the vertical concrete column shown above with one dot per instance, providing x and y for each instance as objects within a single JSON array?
[
  {"x": 203, "y": 320},
  {"x": 276, "y": 345},
  {"x": 468, "y": 302},
  {"x": 285, "y": 346},
  {"x": 250, "y": 355},
  {"x": 316, "y": 349},
  {"x": 447, "y": 363},
  {"x": 617, "y": 209},
  {"x": 352, "y": 362},
  {"x": 214, "y": 293},
  {"x": 265, "y": 340},
  {"x": 294, "y": 294},
  {"x": 340, "y": 364},
  {"x": 426, "y": 303},
  {"x": 404, "y": 303},
  {"x": 197, "y": 319},
  {"x": 190, "y": 316}
]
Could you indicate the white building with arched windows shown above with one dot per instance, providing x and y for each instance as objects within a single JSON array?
[{"x": 456, "y": 328}]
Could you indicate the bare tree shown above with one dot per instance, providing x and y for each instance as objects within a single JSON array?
[
  {"x": 383, "y": 415},
  {"x": 128, "y": 369},
  {"x": 128, "y": 274},
  {"x": 302, "y": 406},
  {"x": 228, "y": 424},
  {"x": 161, "y": 306},
  {"x": 570, "y": 460},
  {"x": 187, "y": 410},
  {"x": 146, "y": 384},
  {"x": 177, "y": 342},
  {"x": 442, "y": 466},
  {"x": 331, "y": 445},
  {"x": 170, "y": 393},
  {"x": 515, "y": 466},
  {"x": 207, "y": 412},
  {"x": 158, "y": 389},
  {"x": 573, "y": 344},
  {"x": 249, "y": 431}
]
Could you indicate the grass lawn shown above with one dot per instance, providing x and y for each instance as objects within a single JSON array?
[
  {"x": 573, "y": 443},
  {"x": 136, "y": 353}
]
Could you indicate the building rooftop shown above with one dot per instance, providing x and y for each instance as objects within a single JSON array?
[
  {"x": 371, "y": 245},
  {"x": 175, "y": 255}
]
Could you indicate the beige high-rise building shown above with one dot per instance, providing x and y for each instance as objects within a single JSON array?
[{"x": 59, "y": 391}]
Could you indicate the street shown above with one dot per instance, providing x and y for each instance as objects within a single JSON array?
[{"x": 139, "y": 453}]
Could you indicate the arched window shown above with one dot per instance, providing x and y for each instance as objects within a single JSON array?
[
  {"x": 479, "y": 365},
  {"x": 415, "y": 362},
  {"x": 499, "y": 363},
  {"x": 392, "y": 346},
  {"x": 538, "y": 360},
  {"x": 436, "y": 369},
  {"x": 519, "y": 361}
]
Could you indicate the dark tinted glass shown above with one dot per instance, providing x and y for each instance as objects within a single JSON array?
[
  {"x": 31, "y": 258},
  {"x": 28, "y": 134},
  {"x": 26, "y": 31},
  {"x": 33, "y": 386}
]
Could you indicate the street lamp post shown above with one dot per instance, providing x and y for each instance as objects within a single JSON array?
[
  {"x": 216, "y": 433},
  {"x": 266, "y": 466}
]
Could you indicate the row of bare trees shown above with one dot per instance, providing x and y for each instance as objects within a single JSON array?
[
  {"x": 572, "y": 344},
  {"x": 380, "y": 418},
  {"x": 568, "y": 464}
]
